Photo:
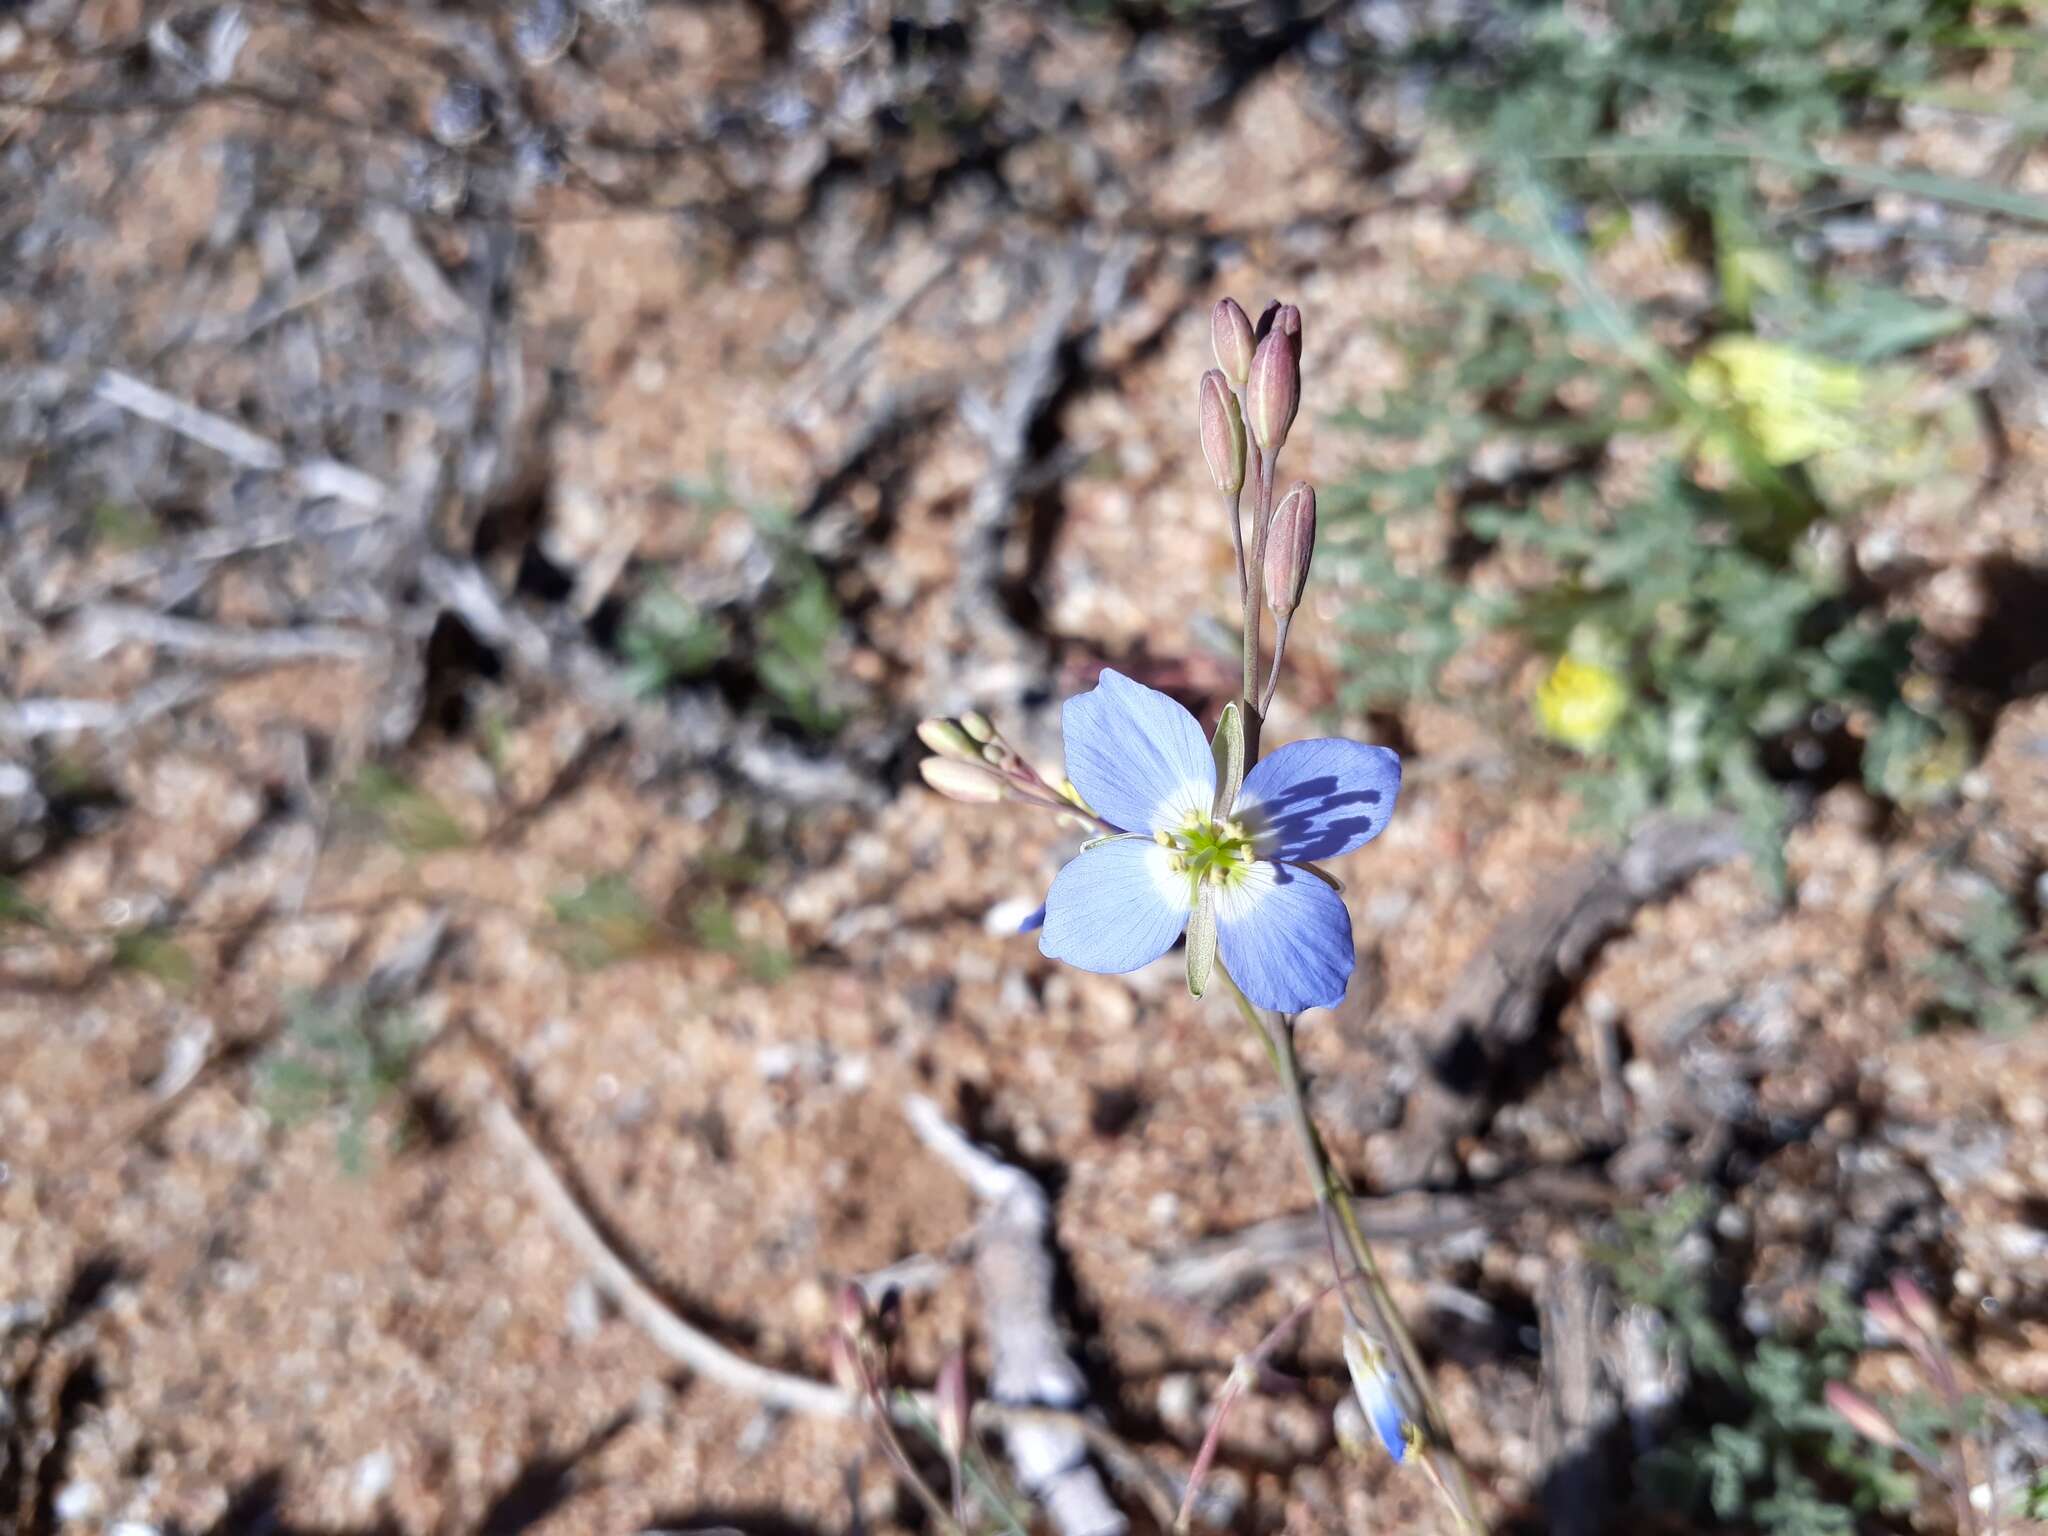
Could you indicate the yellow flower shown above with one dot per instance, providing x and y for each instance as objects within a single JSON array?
[
  {"x": 1794, "y": 404},
  {"x": 1579, "y": 703}
]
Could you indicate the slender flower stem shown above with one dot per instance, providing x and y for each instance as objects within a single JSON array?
[
  {"x": 1261, "y": 474},
  {"x": 1242, "y": 1377},
  {"x": 1333, "y": 1194},
  {"x": 1281, "y": 625},
  {"x": 1234, "y": 502},
  {"x": 881, "y": 1426}
]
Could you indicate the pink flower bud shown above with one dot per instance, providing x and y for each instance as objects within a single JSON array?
[
  {"x": 1862, "y": 1415},
  {"x": 1222, "y": 433},
  {"x": 1290, "y": 546},
  {"x": 1884, "y": 1312},
  {"x": 846, "y": 1373},
  {"x": 1914, "y": 1302},
  {"x": 953, "y": 1406},
  {"x": 1288, "y": 324},
  {"x": 1266, "y": 318},
  {"x": 1230, "y": 333},
  {"x": 856, "y": 1319},
  {"x": 965, "y": 782},
  {"x": 1274, "y": 393}
]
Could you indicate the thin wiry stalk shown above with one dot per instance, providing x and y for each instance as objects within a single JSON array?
[
  {"x": 1242, "y": 1376},
  {"x": 1333, "y": 1194},
  {"x": 1281, "y": 625}
]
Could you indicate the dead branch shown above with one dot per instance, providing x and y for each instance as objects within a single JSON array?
[
  {"x": 224, "y": 437},
  {"x": 1004, "y": 427},
  {"x": 1580, "y": 1406},
  {"x": 1022, "y": 1422},
  {"x": 1233, "y": 1263},
  {"x": 1498, "y": 1001},
  {"x": 1015, "y": 1273},
  {"x": 636, "y": 1299},
  {"x": 103, "y": 627},
  {"x": 35, "y": 717}
]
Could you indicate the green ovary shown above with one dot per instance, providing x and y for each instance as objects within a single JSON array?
[{"x": 1219, "y": 852}]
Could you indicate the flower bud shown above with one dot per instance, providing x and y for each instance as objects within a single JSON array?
[
  {"x": 1266, "y": 318},
  {"x": 1288, "y": 323},
  {"x": 965, "y": 782},
  {"x": 1274, "y": 392},
  {"x": 1290, "y": 546},
  {"x": 855, "y": 1316},
  {"x": 845, "y": 1358},
  {"x": 1862, "y": 1415},
  {"x": 948, "y": 740},
  {"x": 1230, "y": 333},
  {"x": 977, "y": 725},
  {"x": 953, "y": 1406},
  {"x": 1222, "y": 433},
  {"x": 1914, "y": 1303},
  {"x": 1885, "y": 1314}
]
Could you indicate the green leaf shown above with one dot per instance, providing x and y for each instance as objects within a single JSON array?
[
  {"x": 1202, "y": 941},
  {"x": 15, "y": 907},
  {"x": 410, "y": 817},
  {"x": 603, "y": 921},
  {"x": 153, "y": 953},
  {"x": 1227, "y": 747}
]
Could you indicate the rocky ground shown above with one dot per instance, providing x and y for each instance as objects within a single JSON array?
[{"x": 362, "y": 367}]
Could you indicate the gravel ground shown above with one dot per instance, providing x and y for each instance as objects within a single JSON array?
[{"x": 427, "y": 333}]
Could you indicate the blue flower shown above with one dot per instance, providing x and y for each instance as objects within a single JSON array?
[
  {"x": 1143, "y": 765},
  {"x": 1378, "y": 1389}
]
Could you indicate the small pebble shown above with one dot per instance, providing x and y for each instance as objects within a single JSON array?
[
  {"x": 462, "y": 115},
  {"x": 374, "y": 1475},
  {"x": 543, "y": 30},
  {"x": 76, "y": 1500}
]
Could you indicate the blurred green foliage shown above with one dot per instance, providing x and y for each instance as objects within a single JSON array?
[
  {"x": 784, "y": 646},
  {"x": 1653, "y": 521},
  {"x": 1995, "y": 975},
  {"x": 153, "y": 952},
  {"x": 667, "y": 639},
  {"x": 338, "y": 1055},
  {"x": 1655, "y": 506},
  {"x": 1616, "y": 94},
  {"x": 15, "y": 906},
  {"x": 410, "y": 818},
  {"x": 602, "y": 922},
  {"x": 1772, "y": 1457}
]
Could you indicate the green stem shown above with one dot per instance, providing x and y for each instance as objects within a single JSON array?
[
  {"x": 1334, "y": 1196},
  {"x": 1262, "y": 511}
]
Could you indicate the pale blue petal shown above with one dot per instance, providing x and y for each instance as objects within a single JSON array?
[
  {"x": 1313, "y": 800},
  {"x": 1378, "y": 1394},
  {"x": 1139, "y": 759},
  {"x": 1285, "y": 938},
  {"x": 1116, "y": 907},
  {"x": 1387, "y": 1421}
]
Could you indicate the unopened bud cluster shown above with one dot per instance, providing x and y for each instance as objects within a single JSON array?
[
  {"x": 974, "y": 765},
  {"x": 1253, "y": 394}
]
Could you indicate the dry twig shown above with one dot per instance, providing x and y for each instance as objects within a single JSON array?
[
  {"x": 1031, "y": 1364},
  {"x": 1498, "y": 1001}
]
